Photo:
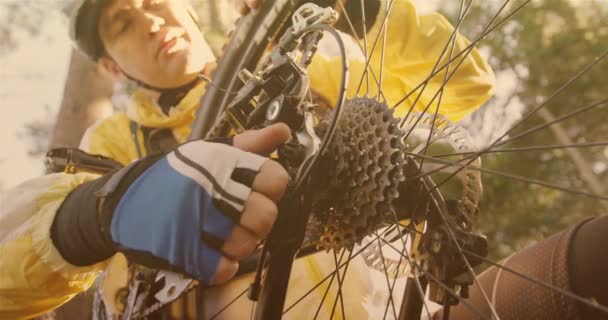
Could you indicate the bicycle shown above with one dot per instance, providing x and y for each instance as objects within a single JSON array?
[{"x": 442, "y": 250}]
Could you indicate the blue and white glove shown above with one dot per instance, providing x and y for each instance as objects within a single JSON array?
[{"x": 199, "y": 209}]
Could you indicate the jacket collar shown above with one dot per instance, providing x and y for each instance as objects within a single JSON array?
[{"x": 144, "y": 107}]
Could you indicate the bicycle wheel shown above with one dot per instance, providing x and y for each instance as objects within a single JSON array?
[{"x": 442, "y": 173}]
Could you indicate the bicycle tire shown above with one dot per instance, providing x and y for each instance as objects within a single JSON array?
[
  {"x": 244, "y": 50},
  {"x": 230, "y": 81},
  {"x": 248, "y": 41}
]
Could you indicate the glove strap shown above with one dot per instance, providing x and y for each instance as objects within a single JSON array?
[{"x": 80, "y": 230}]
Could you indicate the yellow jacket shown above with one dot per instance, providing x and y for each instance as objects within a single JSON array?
[{"x": 33, "y": 276}]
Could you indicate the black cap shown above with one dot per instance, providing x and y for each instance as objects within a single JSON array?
[{"x": 85, "y": 31}]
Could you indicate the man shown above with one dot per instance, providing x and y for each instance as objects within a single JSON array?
[{"x": 74, "y": 224}]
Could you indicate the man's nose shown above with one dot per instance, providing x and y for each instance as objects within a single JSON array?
[{"x": 153, "y": 23}]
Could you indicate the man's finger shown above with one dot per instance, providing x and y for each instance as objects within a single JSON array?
[
  {"x": 226, "y": 269},
  {"x": 263, "y": 141},
  {"x": 271, "y": 180},
  {"x": 259, "y": 214},
  {"x": 240, "y": 244}
]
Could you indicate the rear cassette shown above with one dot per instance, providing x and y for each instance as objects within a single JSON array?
[{"x": 366, "y": 162}]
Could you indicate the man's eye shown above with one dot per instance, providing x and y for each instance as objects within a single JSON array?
[{"x": 124, "y": 27}]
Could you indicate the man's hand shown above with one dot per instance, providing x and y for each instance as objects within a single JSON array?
[
  {"x": 260, "y": 209},
  {"x": 203, "y": 207}
]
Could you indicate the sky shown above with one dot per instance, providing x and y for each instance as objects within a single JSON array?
[{"x": 31, "y": 79}]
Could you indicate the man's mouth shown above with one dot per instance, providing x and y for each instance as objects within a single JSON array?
[
  {"x": 166, "y": 46},
  {"x": 169, "y": 44}
]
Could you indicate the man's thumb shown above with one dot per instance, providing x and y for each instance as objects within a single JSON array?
[{"x": 263, "y": 141}]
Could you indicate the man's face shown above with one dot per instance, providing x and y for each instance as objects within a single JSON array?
[{"x": 154, "y": 41}]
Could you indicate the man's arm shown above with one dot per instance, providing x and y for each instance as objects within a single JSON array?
[
  {"x": 413, "y": 45},
  {"x": 34, "y": 277},
  {"x": 197, "y": 210}
]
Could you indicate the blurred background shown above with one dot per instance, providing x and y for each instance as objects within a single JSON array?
[{"x": 50, "y": 94}]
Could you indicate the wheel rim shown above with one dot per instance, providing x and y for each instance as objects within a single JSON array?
[{"x": 332, "y": 289}]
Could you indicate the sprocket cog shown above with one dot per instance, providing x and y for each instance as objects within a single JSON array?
[{"x": 365, "y": 163}]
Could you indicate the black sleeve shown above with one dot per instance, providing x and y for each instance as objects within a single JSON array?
[
  {"x": 77, "y": 231},
  {"x": 587, "y": 265},
  {"x": 81, "y": 229}
]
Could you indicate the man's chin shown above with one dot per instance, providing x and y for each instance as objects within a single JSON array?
[
  {"x": 199, "y": 57},
  {"x": 185, "y": 63},
  {"x": 182, "y": 75}
]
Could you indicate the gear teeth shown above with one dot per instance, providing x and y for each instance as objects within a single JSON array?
[
  {"x": 366, "y": 161},
  {"x": 449, "y": 134}
]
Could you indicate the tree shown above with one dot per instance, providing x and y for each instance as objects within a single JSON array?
[
  {"x": 86, "y": 99},
  {"x": 542, "y": 47}
]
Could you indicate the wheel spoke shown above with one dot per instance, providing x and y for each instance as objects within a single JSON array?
[
  {"x": 365, "y": 74},
  {"x": 382, "y": 56},
  {"x": 333, "y": 275},
  {"x": 358, "y": 42},
  {"x": 390, "y": 302},
  {"x": 348, "y": 261},
  {"x": 510, "y": 176},
  {"x": 395, "y": 276},
  {"x": 497, "y": 141},
  {"x": 451, "y": 67},
  {"x": 557, "y": 92},
  {"x": 340, "y": 279},
  {"x": 438, "y": 282},
  {"x": 368, "y": 57},
  {"x": 461, "y": 16},
  {"x": 408, "y": 257},
  {"x": 467, "y": 50},
  {"x": 329, "y": 276},
  {"x": 310, "y": 291},
  {"x": 592, "y": 106},
  {"x": 539, "y": 282},
  {"x": 217, "y": 314},
  {"x": 435, "y": 71},
  {"x": 532, "y": 148},
  {"x": 544, "y": 284},
  {"x": 442, "y": 214},
  {"x": 439, "y": 210}
]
